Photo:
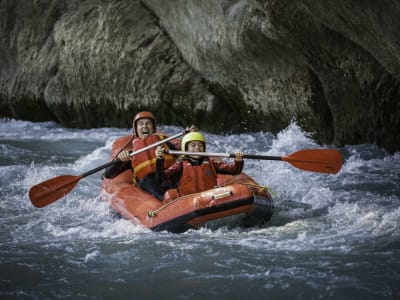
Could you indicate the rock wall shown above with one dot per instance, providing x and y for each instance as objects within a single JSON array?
[{"x": 227, "y": 66}]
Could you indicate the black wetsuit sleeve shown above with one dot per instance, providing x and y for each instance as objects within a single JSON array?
[
  {"x": 173, "y": 146},
  {"x": 159, "y": 171},
  {"x": 117, "y": 169}
]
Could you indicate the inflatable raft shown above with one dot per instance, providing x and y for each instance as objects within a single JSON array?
[{"x": 235, "y": 195}]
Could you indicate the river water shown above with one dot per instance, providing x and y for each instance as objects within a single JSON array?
[{"x": 331, "y": 237}]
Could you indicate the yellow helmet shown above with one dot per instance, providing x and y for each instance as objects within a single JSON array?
[{"x": 192, "y": 136}]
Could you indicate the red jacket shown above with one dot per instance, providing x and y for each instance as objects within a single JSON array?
[
  {"x": 144, "y": 163},
  {"x": 127, "y": 143},
  {"x": 193, "y": 176},
  {"x": 196, "y": 178}
]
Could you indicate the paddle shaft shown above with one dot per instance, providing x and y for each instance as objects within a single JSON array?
[
  {"x": 313, "y": 160},
  {"x": 232, "y": 155},
  {"x": 111, "y": 163},
  {"x": 55, "y": 188}
]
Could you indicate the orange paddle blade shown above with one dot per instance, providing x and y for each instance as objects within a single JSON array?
[
  {"x": 316, "y": 160},
  {"x": 53, "y": 189}
]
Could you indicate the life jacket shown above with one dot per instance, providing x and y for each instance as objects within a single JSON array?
[
  {"x": 144, "y": 163},
  {"x": 196, "y": 179},
  {"x": 122, "y": 143}
]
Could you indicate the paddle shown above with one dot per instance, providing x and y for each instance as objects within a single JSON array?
[
  {"x": 314, "y": 160},
  {"x": 53, "y": 189}
]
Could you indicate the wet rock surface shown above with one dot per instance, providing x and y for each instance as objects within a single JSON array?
[{"x": 227, "y": 66}]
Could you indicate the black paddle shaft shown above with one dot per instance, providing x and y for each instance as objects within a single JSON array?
[
  {"x": 109, "y": 164},
  {"x": 232, "y": 155},
  {"x": 253, "y": 156}
]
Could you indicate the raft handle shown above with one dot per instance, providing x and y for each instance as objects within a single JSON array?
[{"x": 222, "y": 195}]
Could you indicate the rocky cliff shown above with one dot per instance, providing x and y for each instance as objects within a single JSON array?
[{"x": 333, "y": 66}]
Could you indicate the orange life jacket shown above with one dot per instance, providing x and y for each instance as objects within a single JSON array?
[
  {"x": 196, "y": 179},
  {"x": 122, "y": 143},
  {"x": 144, "y": 163}
]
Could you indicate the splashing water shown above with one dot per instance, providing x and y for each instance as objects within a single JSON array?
[{"x": 332, "y": 236}]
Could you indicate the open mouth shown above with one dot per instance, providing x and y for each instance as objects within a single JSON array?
[{"x": 145, "y": 132}]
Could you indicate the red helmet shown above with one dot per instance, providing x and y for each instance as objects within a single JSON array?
[{"x": 144, "y": 114}]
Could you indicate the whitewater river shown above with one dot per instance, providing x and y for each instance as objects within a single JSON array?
[{"x": 331, "y": 237}]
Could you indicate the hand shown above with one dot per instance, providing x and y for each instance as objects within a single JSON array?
[
  {"x": 238, "y": 156},
  {"x": 124, "y": 156},
  {"x": 192, "y": 128},
  {"x": 160, "y": 152}
]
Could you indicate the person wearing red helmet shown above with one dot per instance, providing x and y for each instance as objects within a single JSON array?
[{"x": 143, "y": 164}]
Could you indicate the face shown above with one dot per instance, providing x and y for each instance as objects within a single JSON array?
[
  {"x": 144, "y": 127},
  {"x": 195, "y": 146}
]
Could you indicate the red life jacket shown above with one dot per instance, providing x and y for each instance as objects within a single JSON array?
[
  {"x": 122, "y": 143},
  {"x": 196, "y": 179},
  {"x": 144, "y": 163}
]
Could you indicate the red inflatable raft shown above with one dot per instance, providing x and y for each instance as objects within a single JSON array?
[{"x": 234, "y": 195}]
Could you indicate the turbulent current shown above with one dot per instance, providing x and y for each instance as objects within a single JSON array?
[{"x": 331, "y": 236}]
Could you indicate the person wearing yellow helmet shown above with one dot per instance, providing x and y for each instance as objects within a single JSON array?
[
  {"x": 143, "y": 164},
  {"x": 193, "y": 142},
  {"x": 194, "y": 173}
]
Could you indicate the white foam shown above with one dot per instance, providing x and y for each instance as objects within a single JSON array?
[
  {"x": 91, "y": 256},
  {"x": 331, "y": 211}
]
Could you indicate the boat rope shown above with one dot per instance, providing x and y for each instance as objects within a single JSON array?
[
  {"x": 153, "y": 213},
  {"x": 259, "y": 187}
]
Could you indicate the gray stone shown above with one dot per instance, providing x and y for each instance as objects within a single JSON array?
[{"x": 226, "y": 66}]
